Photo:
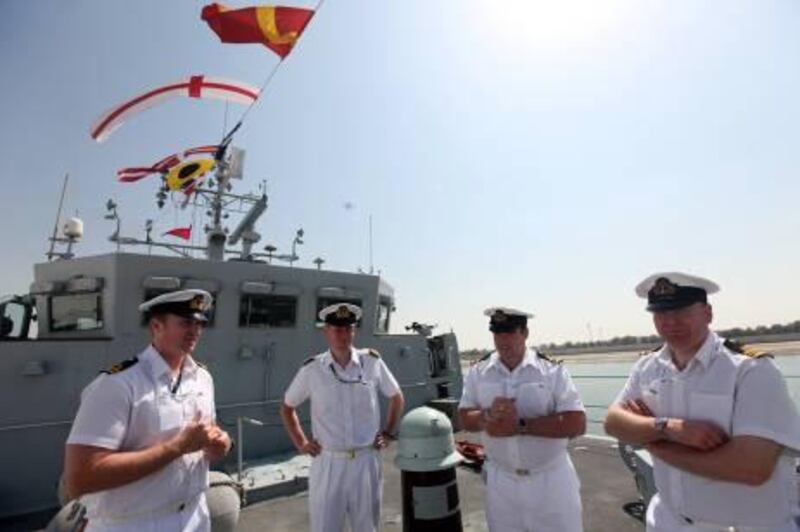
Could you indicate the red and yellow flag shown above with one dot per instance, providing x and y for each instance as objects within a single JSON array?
[{"x": 276, "y": 27}]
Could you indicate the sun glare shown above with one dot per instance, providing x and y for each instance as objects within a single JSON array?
[{"x": 549, "y": 24}]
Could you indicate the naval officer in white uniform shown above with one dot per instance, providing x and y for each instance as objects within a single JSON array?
[
  {"x": 139, "y": 449},
  {"x": 527, "y": 408},
  {"x": 717, "y": 418},
  {"x": 343, "y": 384}
]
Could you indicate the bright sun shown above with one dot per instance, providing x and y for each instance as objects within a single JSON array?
[{"x": 549, "y": 24}]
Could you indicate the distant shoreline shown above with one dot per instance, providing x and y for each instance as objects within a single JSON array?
[
  {"x": 777, "y": 344},
  {"x": 780, "y": 348},
  {"x": 764, "y": 342}
]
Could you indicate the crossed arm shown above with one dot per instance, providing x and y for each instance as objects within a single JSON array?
[{"x": 698, "y": 447}]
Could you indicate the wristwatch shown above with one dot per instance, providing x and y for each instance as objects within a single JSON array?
[
  {"x": 522, "y": 426},
  {"x": 660, "y": 424},
  {"x": 391, "y": 436}
]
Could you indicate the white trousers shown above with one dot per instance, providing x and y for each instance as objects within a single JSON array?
[
  {"x": 661, "y": 518},
  {"x": 340, "y": 487},
  {"x": 193, "y": 518},
  {"x": 546, "y": 501}
]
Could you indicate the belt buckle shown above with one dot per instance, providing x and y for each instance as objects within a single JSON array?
[
  {"x": 350, "y": 454},
  {"x": 522, "y": 472}
]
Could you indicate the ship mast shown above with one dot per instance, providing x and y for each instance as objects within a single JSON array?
[
  {"x": 219, "y": 202},
  {"x": 216, "y": 233}
]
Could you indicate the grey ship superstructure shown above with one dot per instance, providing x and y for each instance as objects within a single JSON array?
[{"x": 80, "y": 316}]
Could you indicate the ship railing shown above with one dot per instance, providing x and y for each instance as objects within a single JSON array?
[
  {"x": 596, "y": 411},
  {"x": 240, "y": 422},
  {"x": 594, "y": 408},
  {"x": 637, "y": 459}
]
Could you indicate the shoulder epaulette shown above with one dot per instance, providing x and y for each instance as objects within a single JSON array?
[
  {"x": 309, "y": 360},
  {"x": 373, "y": 353},
  {"x": 484, "y": 358},
  {"x": 120, "y": 366},
  {"x": 745, "y": 350},
  {"x": 547, "y": 358},
  {"x": 201, "y": 365},
  {"x": 654, "y": 350}
]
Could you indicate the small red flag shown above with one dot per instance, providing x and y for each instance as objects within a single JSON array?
[
  {"x": 276, "y": 27},
  {"x": 181, "y": 232}
]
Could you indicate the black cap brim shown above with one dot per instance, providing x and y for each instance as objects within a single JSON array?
[
  {"x": 198, "y": 316},
  {"x": 681, "y": 296},
  {"x": 180, "y": 312},
  {"x": 660, "y": 306},
  {"x": 506, "y": 327},
  {"x": 341, "y": 322}
]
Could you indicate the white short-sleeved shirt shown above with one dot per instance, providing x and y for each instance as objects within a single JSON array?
[
  {"x": 540, "y": 388},
  {"x": 135, "y": 409},
  {"x": 743, "y": 396},
  {"x": 345, "y": 412}
]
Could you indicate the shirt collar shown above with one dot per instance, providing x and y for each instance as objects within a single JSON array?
[
  {"x": 706, "y": 352},
  {"x": 159, "y": 367},
  {"x": 190, "y": 365},
  {"x": 355, "y": 357},
  {"x": 528, "y": 359},
  {"x": 493, "y": 360},
  {"x": 703, "y": 356},
  {"x": 664, "y": 353}
]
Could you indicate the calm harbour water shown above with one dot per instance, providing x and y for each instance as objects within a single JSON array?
[{"x": 600, "y": 380}]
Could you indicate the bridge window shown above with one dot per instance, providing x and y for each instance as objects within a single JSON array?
[
  {"x": 76, "y": 312},
  {"x": 15, "y": 318},
  {"x": 267, "y": 310},
  {"x": 384, "y": 312}
]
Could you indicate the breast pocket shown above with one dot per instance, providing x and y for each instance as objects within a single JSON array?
[
  {"x": 328, "y": 397},
  {"x": 534, "y": 399},
  {"x": 487, "y": 392},
  {"x": 716, "y": 408},
  {"x": 365, "y": 402},
  {"x": 170, "y": 414},
  {"x": 653, "y": 396},
  {"x": 197, "y": 404}
]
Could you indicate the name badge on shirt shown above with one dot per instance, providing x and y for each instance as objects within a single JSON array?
[{"x": 652, "y": 394}]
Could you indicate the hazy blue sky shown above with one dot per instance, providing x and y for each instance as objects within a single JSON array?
[{"x": 540, "y": 154}]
